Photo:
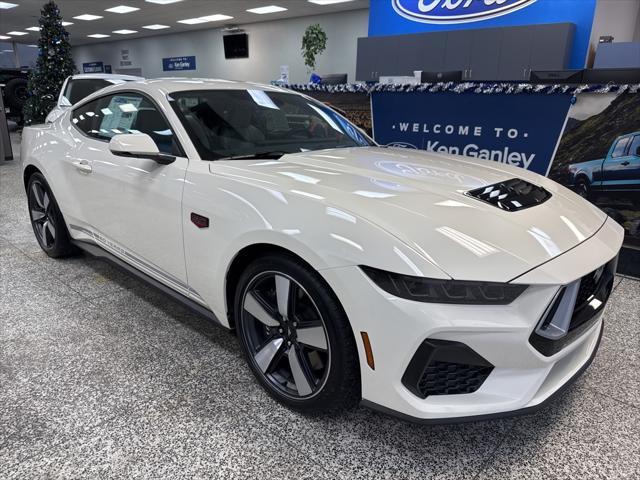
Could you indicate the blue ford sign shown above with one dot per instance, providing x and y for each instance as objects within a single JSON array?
[
  {"x": 396, "y": 17},
  {"x": 456, "y": 11}
]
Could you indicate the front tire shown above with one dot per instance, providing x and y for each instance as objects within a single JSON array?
[
  {"x": 46, "y": 219},
  {"x": 583, "y": 188},
  {"x": 296, "y": 336}
]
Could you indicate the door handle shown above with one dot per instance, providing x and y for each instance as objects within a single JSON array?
[
  {"x": 625, "y": 163},
  {"x": 83, "y": 166}
]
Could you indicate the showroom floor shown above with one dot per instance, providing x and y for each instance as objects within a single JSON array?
[{"x": 102, "y": 376}]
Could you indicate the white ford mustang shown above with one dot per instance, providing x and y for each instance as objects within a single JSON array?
[{"x": 438, "y": 288}]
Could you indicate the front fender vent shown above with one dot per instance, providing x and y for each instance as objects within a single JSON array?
[{"x": 511, "y": 195}]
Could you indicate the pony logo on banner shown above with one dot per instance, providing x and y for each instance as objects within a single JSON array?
[{"x": 456, "y": 11}]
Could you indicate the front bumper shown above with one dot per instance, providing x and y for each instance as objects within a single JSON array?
[{"x": 522, "y": 378}]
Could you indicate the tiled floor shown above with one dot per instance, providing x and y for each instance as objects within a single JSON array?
[{"x": 103, "y": 377}]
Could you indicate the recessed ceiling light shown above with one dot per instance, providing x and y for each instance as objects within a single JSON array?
[
  {"x": 4, "y": 37},
  {"x": 125, "y": 32},
  {"x": 156, "y": 26},
  {"x": 267, "y": 9},
  {"x": 216, "y": 18},
  {"x": 122, "y": 9},
  {"x": 88, "y": 17},
  {"x": 163, "y": 2},
  {"x": 32, "y": 46},
  {"x": 7, "y": 5},
  {"x": 17, "y": 34},
  {"x": 193, "y": 21},
  {"x": 66, "y": 24},
  {"x": 98, "y": 35},
  {"x": 328, "y": 2},
  {"x": 33, "y": 29}
]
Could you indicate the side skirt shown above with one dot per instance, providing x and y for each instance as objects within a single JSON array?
[{"x": 99, "y": 252}]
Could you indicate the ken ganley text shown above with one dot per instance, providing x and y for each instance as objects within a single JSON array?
[{"x": 503, "y": 155}]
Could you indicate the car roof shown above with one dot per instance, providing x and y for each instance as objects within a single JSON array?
[
  {"x": 105, "y": 76},
  {"x": 176, "y": 84}
]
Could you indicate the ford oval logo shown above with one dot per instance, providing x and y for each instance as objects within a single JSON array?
[{"x": 456, "y": 11}]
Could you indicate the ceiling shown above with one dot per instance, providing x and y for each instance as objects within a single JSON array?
[{"x": 27, "y": 13}]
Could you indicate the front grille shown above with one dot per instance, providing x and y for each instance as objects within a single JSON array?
[
  {"x": 445, "y": 378},
  {"x": 441, "y": 367},
  {"x": 573, "y": 310},
  {"x": 511, "y": 195}
]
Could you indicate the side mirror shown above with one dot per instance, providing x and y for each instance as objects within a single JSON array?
[{"x": 138, "y": 145}]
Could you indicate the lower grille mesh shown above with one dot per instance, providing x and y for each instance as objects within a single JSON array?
[{"x": 445, "y": 378}]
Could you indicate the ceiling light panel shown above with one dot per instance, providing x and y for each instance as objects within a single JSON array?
[
  {"x": 193, "y": 21},
  {"x": 328, "y": 2},
  {"x": 267, "y": 9},
  {"x": 7, "y": 5},
  {"x": 124, "y": 32},
  {"x": 122, "y": 9},
  {"x": 216, "y": 18},
  {"x": 17, "y": 34},
  {"x": 33, "y": 29},
  {"x": 4, "y": 37},
  {"x": 88, "y": 17},
  {"x": 156, "y": 26},
  {"x": 66, "y": 24},
  {"x": 98, "y": 35},
  {"x": 163, "y": 2}
]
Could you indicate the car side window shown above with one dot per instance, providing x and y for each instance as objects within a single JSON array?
[
  {"x": 635, "y": 146},
  {"x": 124, "y": 113},
  {"x": 621, "y": 146}
]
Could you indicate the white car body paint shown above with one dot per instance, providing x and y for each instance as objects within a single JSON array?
[{"x": 399, "y": 210}]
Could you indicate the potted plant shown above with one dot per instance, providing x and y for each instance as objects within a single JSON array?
[{"x": 314, "y": 42}]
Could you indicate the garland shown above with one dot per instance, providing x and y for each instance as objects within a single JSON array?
[{"x": 468, "y": 87}]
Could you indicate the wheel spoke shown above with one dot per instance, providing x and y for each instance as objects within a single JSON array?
[
  {"x": 300, "y": 378},
  {"x": 313, "y": 337},
  {"x": 37, "y": 215},
  {"x": 37, "y": 195},
  {"x": 52, "y": 229},
  {"x": 255, "y": 308},
  {"x": 283, "y": 287},
  {"x": 266, "y": 355},
  {"x": 45, "y": 201}
]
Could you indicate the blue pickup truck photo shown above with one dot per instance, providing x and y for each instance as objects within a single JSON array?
[{"x": 619, "y": 171}]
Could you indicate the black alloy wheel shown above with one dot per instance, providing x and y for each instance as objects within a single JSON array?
[
  {"x": 296, "y": 337},
  {"x": 46, "y": 219}
]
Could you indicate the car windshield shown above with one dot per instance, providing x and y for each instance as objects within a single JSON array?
[{"x": 258, "y": 123}]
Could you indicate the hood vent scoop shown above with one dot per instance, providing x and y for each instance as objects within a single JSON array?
[{"x": 511, "y": 195}]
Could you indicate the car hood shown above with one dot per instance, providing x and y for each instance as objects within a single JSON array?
[{"x": 421, "y": 199}]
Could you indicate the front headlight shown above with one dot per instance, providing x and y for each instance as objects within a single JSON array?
[{"x": 431, "y": 290}]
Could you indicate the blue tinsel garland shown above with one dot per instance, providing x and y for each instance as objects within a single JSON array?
[{"x": 469, "y": 87}]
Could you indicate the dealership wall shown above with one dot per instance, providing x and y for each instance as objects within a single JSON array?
[
  {"x": 618, "y": 18},
  {"x": 271, "y": 44}
]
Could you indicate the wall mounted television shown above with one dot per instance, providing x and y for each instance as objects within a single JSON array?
[{"x": 236, "y": 45}]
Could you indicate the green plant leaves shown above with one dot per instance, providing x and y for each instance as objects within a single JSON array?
[{"x": 314, "y": 42}]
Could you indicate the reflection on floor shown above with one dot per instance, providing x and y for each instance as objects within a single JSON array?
[{"x": 101, "y": 376}]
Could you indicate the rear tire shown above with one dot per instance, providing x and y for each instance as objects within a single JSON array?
[
  {"x": 46, "y": 219},
  {"x": 296, "y": 337}
]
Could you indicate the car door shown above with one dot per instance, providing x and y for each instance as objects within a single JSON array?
[
  {"x": 130, "y": 206},
  {"x": 618, "y": 169}
]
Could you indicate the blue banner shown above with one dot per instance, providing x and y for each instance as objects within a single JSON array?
[
  {"x": 93, "y": 67},
  {"x": 393, "y": 17},
  {"x": 178, "y": 63},
  {"x": 520, "y": 130}
]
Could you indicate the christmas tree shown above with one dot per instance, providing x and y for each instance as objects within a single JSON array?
[{"x": 53, "y": 66}]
